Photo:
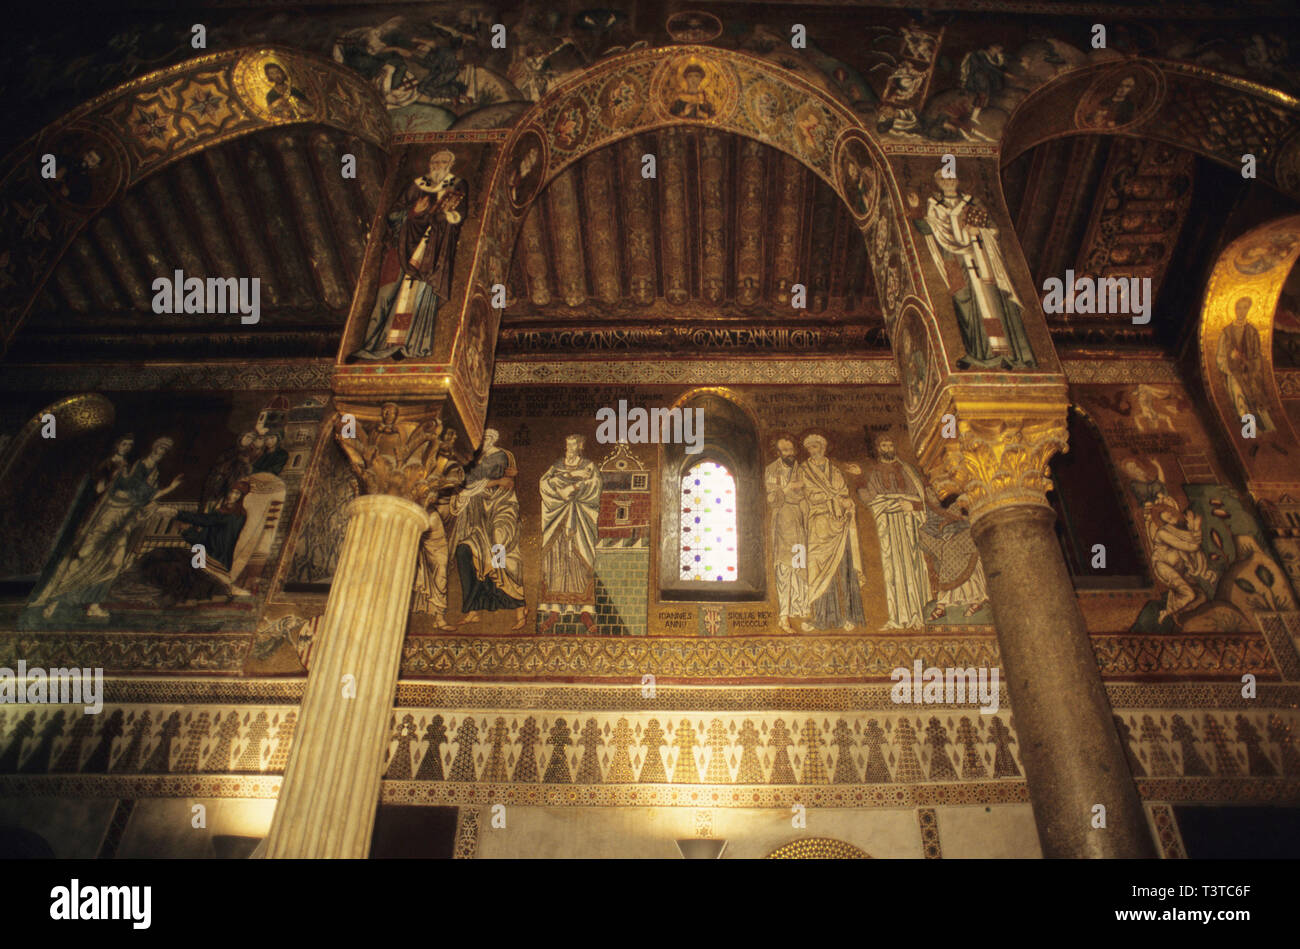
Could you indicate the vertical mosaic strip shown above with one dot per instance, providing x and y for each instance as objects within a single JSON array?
[
  {"x": 466, "y": 847},
  {"x": 116, "y": 828},
  {"x": 1166, "y": 828},
  {"x": 928, "y": 818}
]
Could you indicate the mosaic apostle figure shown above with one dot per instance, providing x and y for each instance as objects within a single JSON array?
[
  {"x": 963, "y": 242},
  {"x": 486, "y": 539},
  {"x": 1240, "y": 361},
  {"x": 895, "y": 493},
  {"x": 570, "y": 491},
  {"x": 785, "y": 503},
  {"x": 834, "y": 560},
  {"x": 417, "y": 272}
]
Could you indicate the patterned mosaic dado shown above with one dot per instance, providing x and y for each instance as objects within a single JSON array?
[
  {"x": 1201, "y": 743},
  {"x": 145, "y": 739},
  {"x": 848, "y": 758},
  {"x": 728, "y": 748}
]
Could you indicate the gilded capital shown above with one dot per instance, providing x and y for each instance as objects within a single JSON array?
[
  {"x": 406, "y": 459},
  {"x": 995, "y": 463}
]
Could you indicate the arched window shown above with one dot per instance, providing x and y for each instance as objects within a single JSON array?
[
  {"x": 708, "y": 521},
  {"x": 711, "y": 505}
]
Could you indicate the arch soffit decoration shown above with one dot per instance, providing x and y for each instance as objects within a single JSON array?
[
  {"x": 1170, "y": 103},
  {"x": 73, "y": 415},
  {"x": 1236, "y": 351},
  {"x": 133, "y": 131},
  {"x": 648, "y": 90}
]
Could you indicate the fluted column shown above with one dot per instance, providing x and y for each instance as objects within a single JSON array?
[
  {"x": 1071, "y": 752},
  {"x": 331, "y": 784}
]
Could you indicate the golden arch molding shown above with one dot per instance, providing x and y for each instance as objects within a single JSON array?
[
  {"x": 1236, "y": 347},
  {"x": 142, "y": 126},
  {"x": 656, "y": 89},
  {"x": 1168, "y": 105}
]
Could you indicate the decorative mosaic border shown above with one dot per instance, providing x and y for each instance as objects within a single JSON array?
[
  {"x": 181, "y": 653},
  {"x": 265, "y": 787},
  {"x": 298, "y": 374},
  {"x": 783, "y": 659},
  {"x": 1119, "y": 371},
  {"x": 668, "y": 698},
  {"x": 315, "y": 374},
  {"x": 703, "y": 795}
]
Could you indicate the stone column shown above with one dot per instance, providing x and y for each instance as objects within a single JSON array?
[
  {"x": 1069, "y": 746},
  {"x": 327, "y": 801}
]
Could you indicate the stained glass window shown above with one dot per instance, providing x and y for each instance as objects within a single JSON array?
[{"x": 708, "y": 523}]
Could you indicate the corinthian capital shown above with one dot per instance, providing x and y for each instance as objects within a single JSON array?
[
  {"x": 996, "y": 463},
  {"x": 395, "y": 456}
]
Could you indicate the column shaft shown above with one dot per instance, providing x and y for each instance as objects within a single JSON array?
[
  {"x": 1068, "y": 743},
  {"x": 330, "y": 792}
]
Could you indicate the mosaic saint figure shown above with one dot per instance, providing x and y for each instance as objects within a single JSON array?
[
  {"x": 100, "y": 553},
  {"x": 834, "y": 560},
  {"x": 785, "y": 505},
  {"x": 1240, "y": 361},
  {"x": 1117, "y": 109},
  {"x": 963, "y": 242},
  {"x": 895, "y": 493},
  {"x": 417, "y": 272},
  {"x": 691, "y": 99},
  {"x": 486, "y": 539},
  {"x": 570, "y": 490},
  {"x": 284, "y": 100}
]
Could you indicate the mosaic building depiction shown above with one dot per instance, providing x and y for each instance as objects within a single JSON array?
[{"x": 662, "y": 418}]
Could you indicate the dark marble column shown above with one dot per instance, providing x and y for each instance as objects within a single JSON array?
[{"x": 1070, "y": 749}]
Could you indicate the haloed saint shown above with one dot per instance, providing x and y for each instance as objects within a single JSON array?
[{"x": 417, "y": 271}]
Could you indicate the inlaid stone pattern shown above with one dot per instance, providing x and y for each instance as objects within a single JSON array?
[
  {"x": 683, "y": 748},
  {"x": 1204, "y": 743},
  {"x": 145, "y": 739}
]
